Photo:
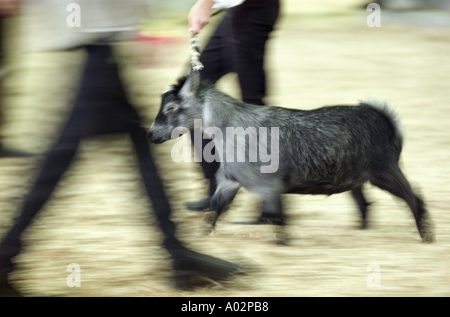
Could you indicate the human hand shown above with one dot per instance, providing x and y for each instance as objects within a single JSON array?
[{"x": 199, "y": 15}]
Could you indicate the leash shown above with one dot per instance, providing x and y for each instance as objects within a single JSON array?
[{"x": 195, "y": 53}]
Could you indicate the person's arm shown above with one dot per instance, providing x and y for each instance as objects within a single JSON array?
[{"x": 201, "y": 12}]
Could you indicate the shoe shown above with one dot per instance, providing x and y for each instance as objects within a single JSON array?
[
  {"x": 10, "y": 153},
  {"x": 201, "y": 205},
  {"x": 6, "y": 290},
  {"x": 188, "y": 264}
]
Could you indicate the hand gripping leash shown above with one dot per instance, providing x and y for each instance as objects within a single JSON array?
[{"x": 195, "y": 50}]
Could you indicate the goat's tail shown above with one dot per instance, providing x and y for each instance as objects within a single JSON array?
[{"x": 388, "y": 111}]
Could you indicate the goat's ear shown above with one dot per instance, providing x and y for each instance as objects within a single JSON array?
[{"x": 191, "y": 84}]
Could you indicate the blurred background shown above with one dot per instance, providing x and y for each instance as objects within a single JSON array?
[{"x": 322, "y": 53}]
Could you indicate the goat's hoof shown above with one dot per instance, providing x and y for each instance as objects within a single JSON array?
[
  {"x": 210, "y": 218},
  {"x": 281, "y": 237},
  {"x": 183, "y": 283},
  {"x": 428, "y": 237},
  {"x": 202, "y": 205},
  {"x": 283, "y": 242},
  {"x": 207, "y": 229},
  {"x": 427, "y": 229}
]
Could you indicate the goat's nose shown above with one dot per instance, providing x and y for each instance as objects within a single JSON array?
[{"x": 149, "y": 134}]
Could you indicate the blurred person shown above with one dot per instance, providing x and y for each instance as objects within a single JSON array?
[
  {"x": 8, "y": 8},
  {"x": 238, "y": 45},
  {"x": 101, "y": 107}
]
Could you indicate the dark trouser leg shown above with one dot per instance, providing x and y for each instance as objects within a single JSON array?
[
  {"x": 113, "y": 113},
  {"x": 252, "y": 23},
  {"x": 218, "y": 57},
  {"x": 80, "y": 123},
  {"x": 186, "y": 263},
  {"x": 155, "y": 188},
  {"x": 57, "y": 162},
  {"x": 101, "y": 107},
  {"x": 55, "y": 165}
]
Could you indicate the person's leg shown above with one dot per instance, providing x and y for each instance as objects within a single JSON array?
[
  {"x": 218, "y": 56},
  {"x": 155, "y": 188},
  {"x": 85, "y": 123},
  {"x": 57, "y": 162},
  {"x": 252, "y": 22},
  {"x": 113, "y": 113},
  {"x": 55, "y": 165},
  {"x": 186, "y": 263}
]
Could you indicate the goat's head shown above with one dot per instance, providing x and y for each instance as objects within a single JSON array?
[{"x": 181, "y": 104}]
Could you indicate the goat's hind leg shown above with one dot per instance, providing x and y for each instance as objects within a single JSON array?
[
  {"x": 358, "y": 196},
  {"x": 393, "y": 180}
]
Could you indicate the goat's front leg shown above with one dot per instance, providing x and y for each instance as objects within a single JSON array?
[{"x": 221, "y": 200}]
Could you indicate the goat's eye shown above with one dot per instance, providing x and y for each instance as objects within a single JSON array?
[{"x": 170, "y": 108}]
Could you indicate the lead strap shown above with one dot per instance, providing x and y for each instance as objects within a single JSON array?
[{"x": 195, "y": 53}]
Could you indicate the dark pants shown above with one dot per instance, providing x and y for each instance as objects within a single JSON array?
[
  {"x": 100, "y": 108},
  {"x": 238, "y": 46}
]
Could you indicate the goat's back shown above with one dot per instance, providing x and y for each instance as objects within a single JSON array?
[{"x": 335, "y": 144}]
